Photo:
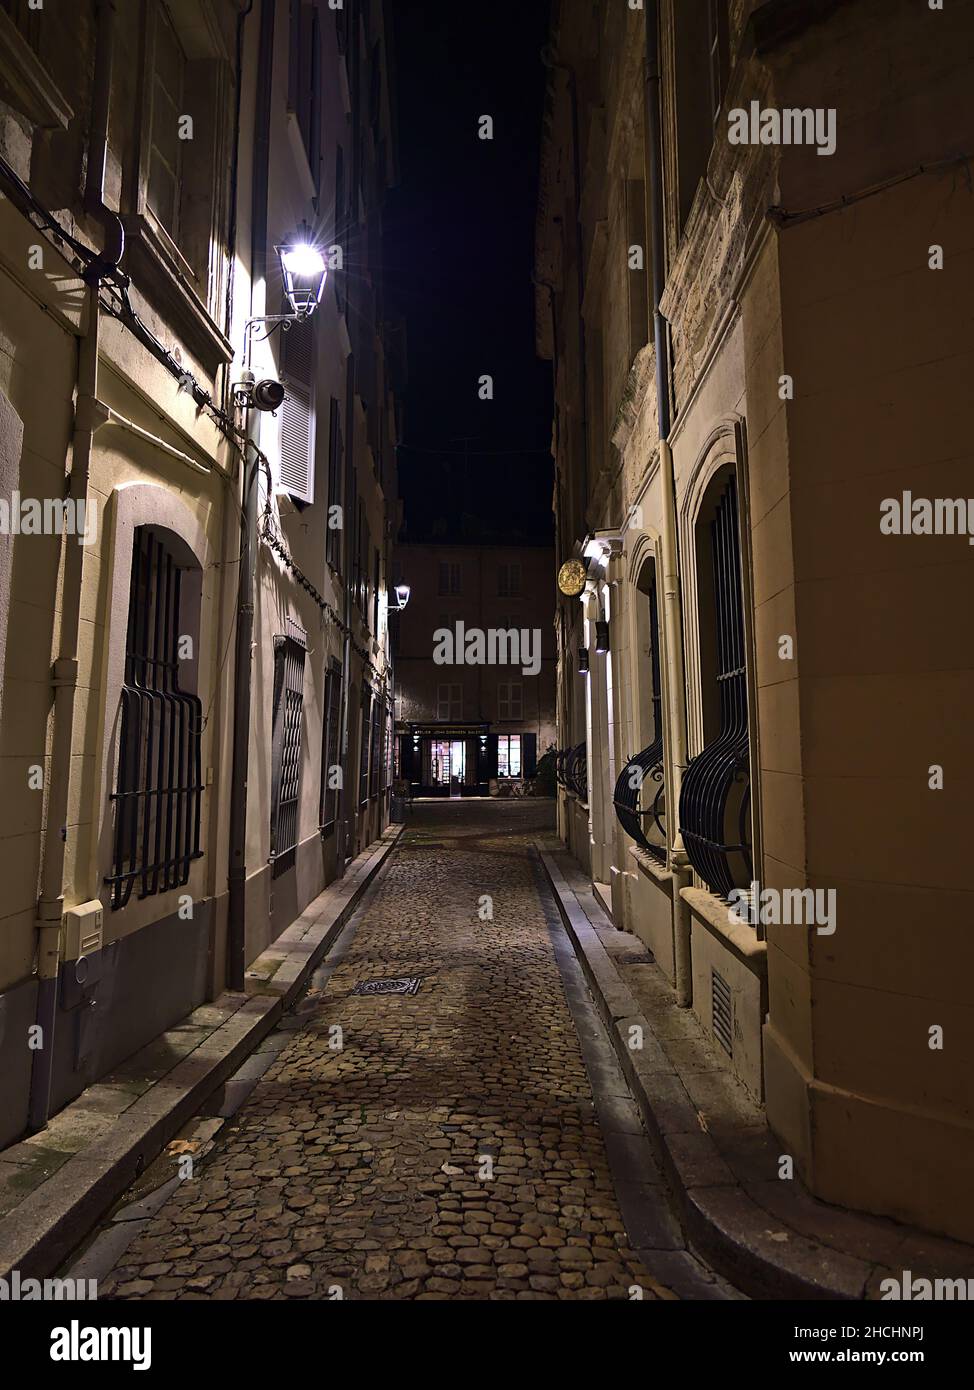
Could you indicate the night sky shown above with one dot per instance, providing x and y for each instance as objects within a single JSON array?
[{"x": 459, "y": 233}]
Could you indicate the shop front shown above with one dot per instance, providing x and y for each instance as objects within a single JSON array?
[{"x": 443, "y": 758}]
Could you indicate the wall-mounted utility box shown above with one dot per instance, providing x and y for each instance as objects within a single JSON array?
[{"x": 84, "y": 927}]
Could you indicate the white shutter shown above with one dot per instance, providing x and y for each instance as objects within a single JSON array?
[{"x": 298, "y": 413}]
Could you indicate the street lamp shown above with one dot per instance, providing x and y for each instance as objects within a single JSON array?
[
  {"x": 304, "y": 271},
  {"x": 402, "y": 592}
]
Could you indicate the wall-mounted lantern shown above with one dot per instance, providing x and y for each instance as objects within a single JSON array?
[
  {"x": 583, "y": 661},
  {"x": 601, "y": 635},
  {"x": 402, "y": 592},
  {"x": 304, "y": 271}
]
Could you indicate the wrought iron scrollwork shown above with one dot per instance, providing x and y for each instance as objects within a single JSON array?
[
  {"x": 577, "y": 771},
  {"x": 640, "y": 798}
]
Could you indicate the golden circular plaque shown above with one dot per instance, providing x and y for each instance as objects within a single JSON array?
[{"x": 571, "y": 578}]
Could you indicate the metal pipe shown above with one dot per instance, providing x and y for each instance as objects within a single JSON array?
[
  {"x": 341, "y": 846},
  {"x": 579, "y": 271},
  {"x": 50, "y": 902},
  {"x": 670, "y": 545},
  {"x": 250, "y": 471}
]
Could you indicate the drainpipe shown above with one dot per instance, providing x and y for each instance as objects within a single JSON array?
[
  {"x": 579, "y": 270},
  {"x": 250, "y": 471},
  {"x": 88, "y": 416},
  {"x": 676, "y": 717},
  {"x": 341, "y": 847}
]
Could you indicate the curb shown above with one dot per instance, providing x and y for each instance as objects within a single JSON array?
[
  {"x": 743, "y": 1242},
  {"x": 41, "y": 1231}
]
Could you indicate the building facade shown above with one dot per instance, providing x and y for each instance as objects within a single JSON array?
[
  {"x": 753, "y": 274},
  {"x": 475, "y": 667},
  {"x": 195, "y": 710}
]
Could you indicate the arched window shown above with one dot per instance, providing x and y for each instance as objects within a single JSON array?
[
  {"x": 639, "y": 791},
  {"x": 715, "y": 801},
  {"x": 159, "y": 784}
]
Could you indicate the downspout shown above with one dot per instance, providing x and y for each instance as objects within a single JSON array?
[
  {"x": 676, "y": 711},
  {"x": 341, "y": 847},
  {"x": 579, "y": 272},
  {"x": 87, "y": 418},
  {"x": 250, "y": 472}
]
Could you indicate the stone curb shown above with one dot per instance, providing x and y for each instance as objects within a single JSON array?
[
  {"x": 52, "y": 1220},
  {"x": 743, "y": 1241}
]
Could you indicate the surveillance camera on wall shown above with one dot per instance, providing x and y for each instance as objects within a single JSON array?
[{"x": 267, "y": 394}]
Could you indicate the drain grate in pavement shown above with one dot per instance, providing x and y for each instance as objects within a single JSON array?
[
  {"x": 638, "y": 958},
  {"x": 402, "y": 984}
]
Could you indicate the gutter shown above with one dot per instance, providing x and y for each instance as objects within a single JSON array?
[
  {"x": 675, "y": 730},
  {"x": 249, "y": 473},
  {"x": 89, "y": 415}
]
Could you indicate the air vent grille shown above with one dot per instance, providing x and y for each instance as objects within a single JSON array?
[{"x": 721, "y": 1012}]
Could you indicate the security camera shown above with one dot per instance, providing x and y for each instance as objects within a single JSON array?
[
  {"x": 264, "y": 395},
  {"x": 268, "y": 394}
]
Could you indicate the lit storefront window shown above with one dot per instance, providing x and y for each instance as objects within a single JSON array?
[{"x": 509, "y": 755}]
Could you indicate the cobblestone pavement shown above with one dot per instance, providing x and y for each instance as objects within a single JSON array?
[{"x": 449, "y": 1148}]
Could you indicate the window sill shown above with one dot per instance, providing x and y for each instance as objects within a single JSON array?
[
  {"x": 167, "y": 279},
  {"x": 716, "y": 916},
  {"x": 652, "y": 868}
]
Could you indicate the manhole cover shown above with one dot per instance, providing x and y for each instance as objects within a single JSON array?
[{"x": 403, "y": 984}]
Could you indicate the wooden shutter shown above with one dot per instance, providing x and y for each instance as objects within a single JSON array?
[
  {"x": 529, "y": 754},
  {"x": 297, "y": 413}
]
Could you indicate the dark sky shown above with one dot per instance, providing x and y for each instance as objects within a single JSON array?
[{"x": 458, "y": 249}]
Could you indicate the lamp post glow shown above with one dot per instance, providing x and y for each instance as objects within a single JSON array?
[{"x": 304, "y": 271}]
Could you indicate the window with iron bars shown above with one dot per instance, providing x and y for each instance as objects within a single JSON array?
[
  {"x": 364, "y": 745},
  {"x": 715, "y": 804},
  {"x": 387, "y": 759},
  {"x": 639, "y": 795},
  {"x": 290, "y": 650},
  {"x": 159, "y": 783},
  {"x": 328, "y": 800},
  {"x": 376, "y": 747}
]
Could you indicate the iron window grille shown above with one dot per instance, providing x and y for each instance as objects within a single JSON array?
[
  {"x": 576, "y": 771},
  {"x": 639, "y": 796},
  {"x": 159, "y": 783},
  {"x": 715, "y": 803},
  {"x": 388, "y": 751},
  {"x": 364, "y": 745},
  {"x": 290, "y": 651},
  {"x": 328, "y": 801},
  {"x": 376, "y": 747}
]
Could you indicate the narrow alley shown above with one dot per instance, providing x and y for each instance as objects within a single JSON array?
[{"x": 442, "y": 1143}]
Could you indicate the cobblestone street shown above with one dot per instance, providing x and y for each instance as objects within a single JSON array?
[{"x": 449, "y": 1147}]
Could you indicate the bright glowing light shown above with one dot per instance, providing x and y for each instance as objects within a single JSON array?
[{"x": 303, "y": 260}]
